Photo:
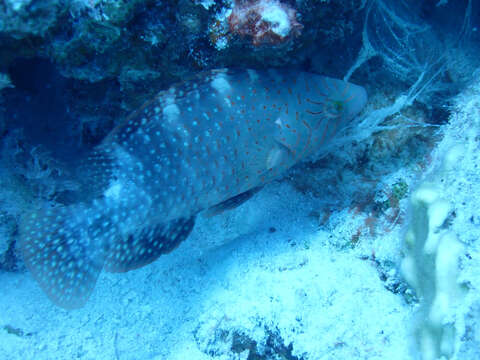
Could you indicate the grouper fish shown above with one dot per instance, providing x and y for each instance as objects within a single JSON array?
[{"x": 209, "y": 143}]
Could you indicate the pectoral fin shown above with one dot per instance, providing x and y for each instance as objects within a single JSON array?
[{"x": 232, "y": 202}]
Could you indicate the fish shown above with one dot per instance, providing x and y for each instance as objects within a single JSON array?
[{"x": 206, "y": 144}]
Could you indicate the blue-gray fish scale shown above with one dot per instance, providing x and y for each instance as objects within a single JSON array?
[{"x": 194, "y": 146}]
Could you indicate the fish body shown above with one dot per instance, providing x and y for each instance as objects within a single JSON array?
[{"x": 207, "y": 143}]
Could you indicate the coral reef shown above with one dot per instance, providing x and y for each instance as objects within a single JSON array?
[
  {"x": 265, "y": 21},
  {"x": 432, "y": 266}
]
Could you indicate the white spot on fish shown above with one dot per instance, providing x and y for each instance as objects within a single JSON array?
[
  {"x": 171, "y": 112},
  {"x": 113, "y": 192},
  {"x": 221, "y": 84}
]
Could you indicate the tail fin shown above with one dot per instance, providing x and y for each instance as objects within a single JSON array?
[{"x": 63, "y": 253}]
